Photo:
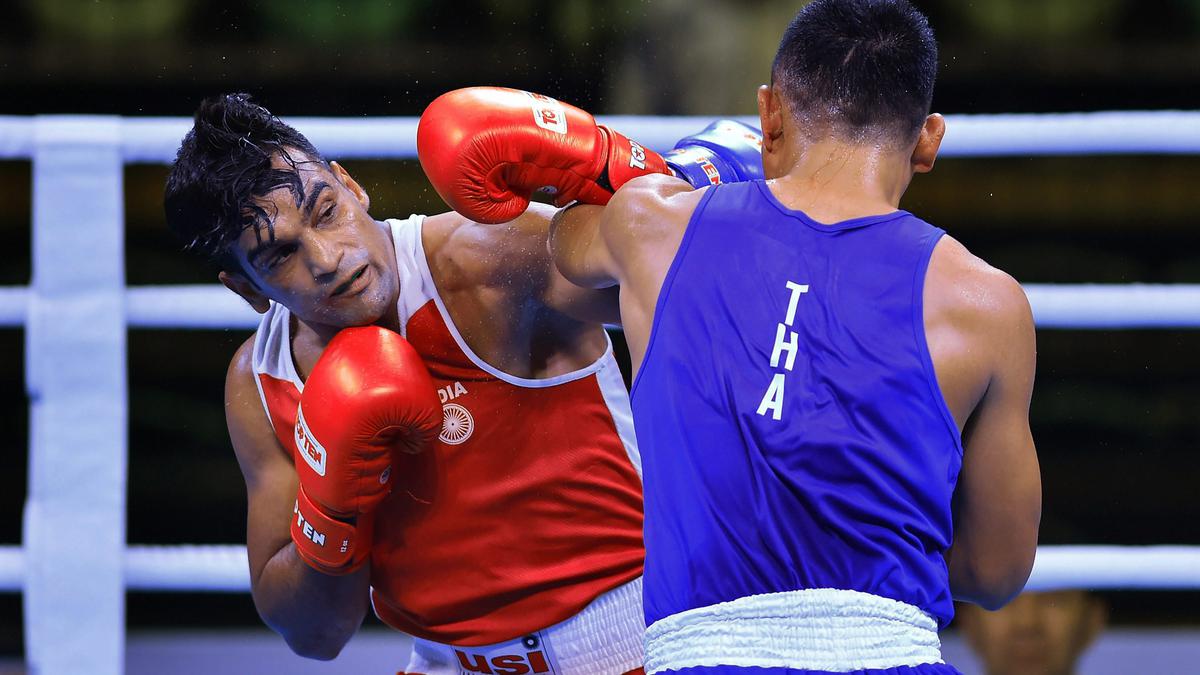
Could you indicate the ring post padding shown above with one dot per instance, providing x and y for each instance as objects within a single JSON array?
[{"x": 74, "y": 526}]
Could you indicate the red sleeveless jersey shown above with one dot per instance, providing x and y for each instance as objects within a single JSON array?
[{"x": 527, "y": 508}]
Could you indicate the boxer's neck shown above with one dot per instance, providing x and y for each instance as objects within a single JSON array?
[{"x": 832, "y": 181}]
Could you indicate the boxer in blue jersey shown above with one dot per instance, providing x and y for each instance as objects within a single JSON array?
[{"x": 831, "y": 395}]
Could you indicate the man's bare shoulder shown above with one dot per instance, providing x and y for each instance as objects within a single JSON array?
[
  {"x": 243, "y": 409},
  {"x": 254, "y": 441},
  {"x": 648, "y": 216},
  {"x": 969, "y": 290},
  {"x": 464, "y": 253},
  {"x": 455, "y": 248},
  {"x": 655, "y": 202},
  {"x": 241, "y": 366}
]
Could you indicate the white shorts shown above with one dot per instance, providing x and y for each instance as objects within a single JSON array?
[{"x": 605, "y": 638}]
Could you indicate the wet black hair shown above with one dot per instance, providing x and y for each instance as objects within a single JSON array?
[
  {"x": 223, "y": 168},
  {"x": 865, "y": 68}
]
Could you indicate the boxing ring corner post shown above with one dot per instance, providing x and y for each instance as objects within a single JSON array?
[{"x": 75, "y": 376}]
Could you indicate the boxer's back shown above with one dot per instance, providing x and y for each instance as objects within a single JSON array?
[{"x": 791, "y": 425}]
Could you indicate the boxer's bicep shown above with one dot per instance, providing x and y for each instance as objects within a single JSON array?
[{"x": 270, "y": 478}]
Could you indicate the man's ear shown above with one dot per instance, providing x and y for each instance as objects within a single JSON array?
[
  {"x": 928, "y": 143},
  {"x": 245, "y": 288},
  {"x": 344, "y": 178},
  {"x": 771, "y": 116}
]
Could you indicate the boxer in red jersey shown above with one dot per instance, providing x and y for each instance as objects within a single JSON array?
[{"x": 477, "y": 481}]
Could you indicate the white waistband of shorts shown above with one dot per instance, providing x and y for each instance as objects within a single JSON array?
[
  {"x": 816, "y": 629},
  {"x": 605, "y": 638}
]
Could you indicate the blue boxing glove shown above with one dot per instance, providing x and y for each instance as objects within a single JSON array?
[{"x": 726, "y": 151}]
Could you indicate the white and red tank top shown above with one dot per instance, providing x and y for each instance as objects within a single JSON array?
[{"x": 528, "y": 506}]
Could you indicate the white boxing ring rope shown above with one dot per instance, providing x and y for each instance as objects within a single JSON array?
[
  {"x": 1073, "y": 306},
  {"x": 74, "y": 565},
  {"x": 222, "y": 568}
]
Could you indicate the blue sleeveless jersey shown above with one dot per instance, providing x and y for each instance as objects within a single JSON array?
[{"x": 792, "y": 431}]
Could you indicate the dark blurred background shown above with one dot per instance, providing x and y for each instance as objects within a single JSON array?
[{"x": 1116, "y": 414}]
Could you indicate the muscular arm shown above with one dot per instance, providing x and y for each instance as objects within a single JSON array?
[
  {"x": 596, "y": 304},
  {"x": 998, "y": 500},
  {"x": 315, "y": 613},
  {"x": 630, "y": 243},
  {"x": 603, "y": 246}
]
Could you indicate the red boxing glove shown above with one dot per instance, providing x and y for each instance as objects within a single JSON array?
[
  {"x": 368, "y": 396},
  {"x": 487, "y": 149}
]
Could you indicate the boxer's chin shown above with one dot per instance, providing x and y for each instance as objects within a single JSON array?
[
  {"x": 381, "y": 295},
  {"x": 375, "y": 303},
  {"x": 363, "y": 303},
  {"x": 367, "y": 309},
  {"x": 362, "y": 311}
]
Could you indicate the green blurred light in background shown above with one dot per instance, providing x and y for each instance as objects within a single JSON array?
[
  {"x": 107, "y": 20},
  {"x": 339, "y": 20}
]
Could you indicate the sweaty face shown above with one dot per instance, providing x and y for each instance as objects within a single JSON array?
[
  {"x": 1036, "y": 634},
  {"x": 323, "y": 257}
]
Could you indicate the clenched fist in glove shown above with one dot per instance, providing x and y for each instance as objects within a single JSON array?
[
  {"x": 368, "y": 396},
  {"x": 486, "y": 150}
]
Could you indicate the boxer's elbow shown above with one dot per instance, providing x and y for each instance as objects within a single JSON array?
[
  {"x": 316, "y": 614},
  {"x": 990, "y": 579},
  {"x": 995, "y": 540},
  {"x": 991, "y": 593},
  {"x": 314, "y": 632},
  {"x": 322, "y": 644}
]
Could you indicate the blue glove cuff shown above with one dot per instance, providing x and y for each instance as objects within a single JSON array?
[
  {"x": 726, "y": 151},
  {"x": 700, "y": 166}
]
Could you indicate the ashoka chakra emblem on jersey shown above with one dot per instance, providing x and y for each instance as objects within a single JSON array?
[{"x": 457, "y": 424}]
